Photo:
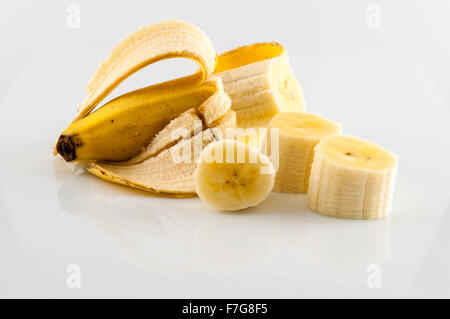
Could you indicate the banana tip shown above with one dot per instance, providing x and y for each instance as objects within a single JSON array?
[{"x": 66, "y": 148}]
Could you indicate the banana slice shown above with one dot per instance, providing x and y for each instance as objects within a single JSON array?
[
  {"x": 351, "y": 178},
  {"x": 253, "y": 137},
  {"x": 260, "y": 83},
  {"x": 258, "y": 78},
  {"x": 298, "y": 134},
  {"x": 233, "y": 176}
]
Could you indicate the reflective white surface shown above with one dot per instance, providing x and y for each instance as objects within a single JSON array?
[{"x": 132, "y": 244}]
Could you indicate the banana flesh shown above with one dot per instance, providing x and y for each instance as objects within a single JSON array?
[
  {"x": 167, "y": 165},
  {"x": 298, "y": 134},
  {"x": 351, "y": 178},
  {"x": 227, "y": 122},
  {"x": 121, "y": 128},
  {"x": 213, "y": 110},
  {"x": 167, "y": 39},
  {"x": 260, "y": 83},
  {"x": 189, "y": 122},
  {"x": 233, "y": 176},
  {"x": 170, "y": 172}
]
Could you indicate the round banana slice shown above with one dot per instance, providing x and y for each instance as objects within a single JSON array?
[
  {"x": 351, "y": 178},
  {"x": 231, "y": 175},
  {"x": 298, "y": 133}
]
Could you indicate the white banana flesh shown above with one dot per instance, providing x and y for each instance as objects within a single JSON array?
[
  {"x": 211, "y": 113},
  {"x": 351, "y": 178},
  {"x": 168, "y": 163},
  {"x": 261, "y": 89},
  {"x": 233, "y": 176},
  {"x": 298, "y": 134},
  {"x": 170, "y": 172}
]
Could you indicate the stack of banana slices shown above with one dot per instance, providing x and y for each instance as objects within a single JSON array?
[{"x": 230, "y": 133}]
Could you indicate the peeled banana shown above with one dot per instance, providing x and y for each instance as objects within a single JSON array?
[
  {"x": 168, "y": 163},
  {"x": 260, "y": 83},
  {"x": 122, "y": 127},
  {"x": 298, "y": 134},
  {"x": 233, "y": 176},
  {"x": 257, "y": 77},
  {"x": 170, "y": 172},
  {"x": 132, "y": 119},
  {"x": 351, "y": 178}
]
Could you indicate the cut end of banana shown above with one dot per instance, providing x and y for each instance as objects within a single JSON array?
[
  {"x": 353, "y": 152},
  {"x": 298, "y": 133},
  {"x": 307, "y": 125},
  {"x": 351, "y": 178},
  {"x": 254, "y": 137},
  {"x": 233, "y": 176},
  {"x": 260, "y": 83}
]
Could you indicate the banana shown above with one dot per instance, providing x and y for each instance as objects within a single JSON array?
[
  {"x": 170, "y": 172},
  {"x": 167, "y": 164},
  {"x": 258, "y": 78},
  {"x": 298, "y": 134},
  {"x": 232, "y": 176},
  {"x": 227, "y": 122},
  {"x": 210, "y": 113},
  {"x": 351, "y": 178},
  {"x": 260, "y": 83},
  {"x": 120, "y": 128},
  {"x": 189, "y": 123}
]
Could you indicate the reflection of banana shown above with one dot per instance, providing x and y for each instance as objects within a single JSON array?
[
  {"x": 353, "y": 243},
  {"x": 260, "y": 83},
  {"x": 298, "y": 133},
  {"x": 351, "y": 178},
  {"x": 233, "y": 176},
  {"x": 224, "y": 246},
  {"x": 136, "y": 227}
]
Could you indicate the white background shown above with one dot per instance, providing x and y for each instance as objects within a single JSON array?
[{"x": 386, "y": 82}]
